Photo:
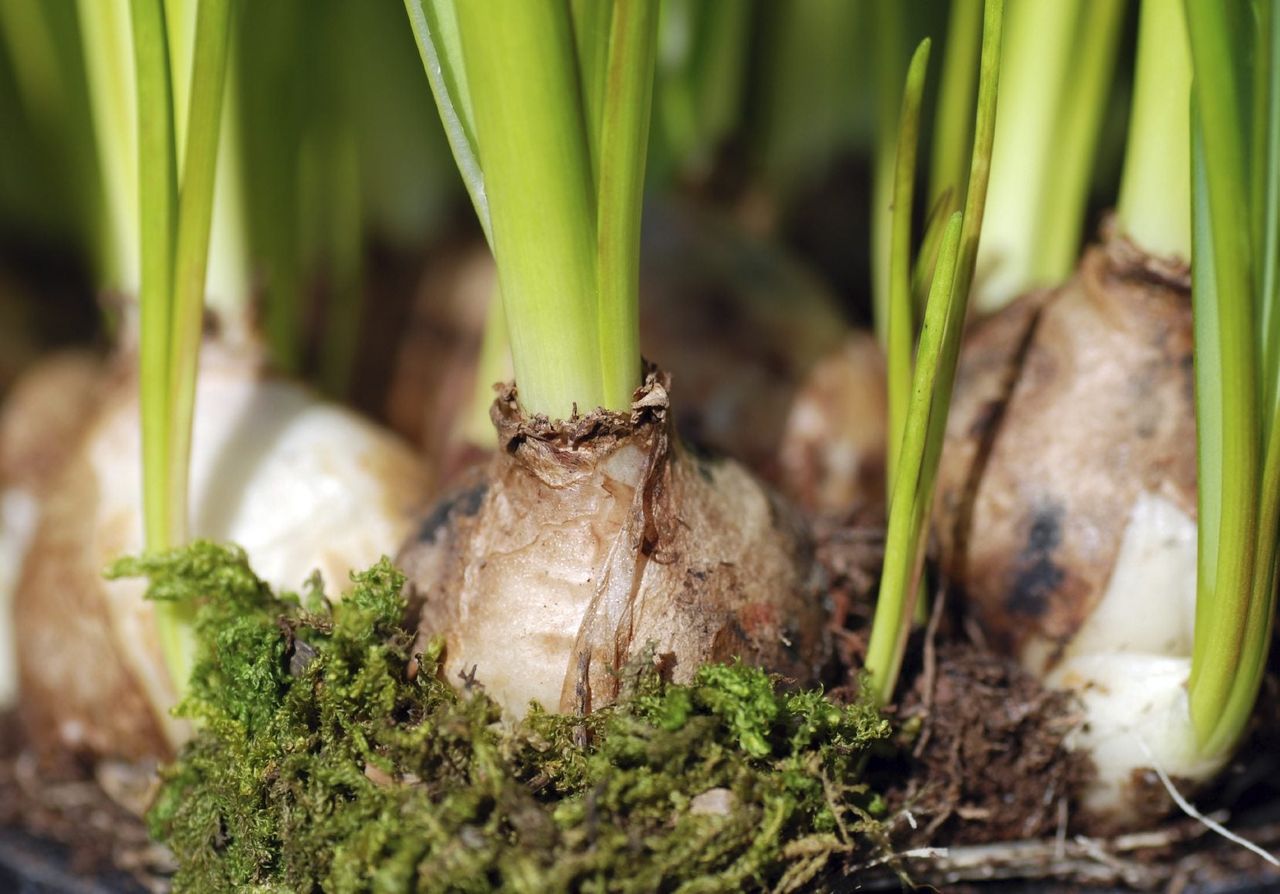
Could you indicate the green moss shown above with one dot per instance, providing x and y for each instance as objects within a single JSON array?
[{"x": 324, "y": 762}]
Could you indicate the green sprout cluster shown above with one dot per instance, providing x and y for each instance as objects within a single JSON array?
[{"x": 331, "y": 757}]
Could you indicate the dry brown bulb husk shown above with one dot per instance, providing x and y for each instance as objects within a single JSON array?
[
  {"x": 587, "y": 543},
  {"x": 1067, "y": 505}
]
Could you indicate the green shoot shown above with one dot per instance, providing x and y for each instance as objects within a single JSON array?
[
  {"x": 195, "y": 220},
  {"x": 1155, "y": 199},
  {"x": 435, "y": 25},
  {"x": 934, "y": 378},
  {"x": 1267, "y": 186},
  {"x": 813, "y": 56},
  {"x": 953, "y": 129},
  {"x": 534, "y": 153},
  {"x": 175, "y": 248},
  {"x": 889, "y": 53},
  {"x": 1078, "y": 130},
  {"x": 158, "y": 201},
  {"x": 1056, "y": 68},
  {"x": 565, "y": 231},
  {"x": 1236, "y": 392},
  {"x": 700, "y": 80},
  {"x": 105, "y": 29},
  {"x": 624, "y": 130},
  {"x": 901, "y": 323},
  {"x": 592, "y": 21}
]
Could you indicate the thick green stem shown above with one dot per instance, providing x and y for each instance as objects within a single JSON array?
[
  {"x": 1154, "y": 209},
  {"x": 534, "y": 154}
]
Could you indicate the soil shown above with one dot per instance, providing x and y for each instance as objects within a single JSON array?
[
  {"x": 60, "y": 830},
  {"x": 973, "y": 734},
  {"x": 988, "y": 763}
]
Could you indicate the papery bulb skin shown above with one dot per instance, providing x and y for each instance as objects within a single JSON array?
[
  {"x": 41, "y": 421},
  {"x": 1069, "y": 405},
  {"x": 300, "y": 484},
  {"x": 587, "y": 542},
  {"x": 1066, "y": 511}
]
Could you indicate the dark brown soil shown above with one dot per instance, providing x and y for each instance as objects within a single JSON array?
[
  {"x": 988, "y": 762},
  {"x": 66, "y": 805}
]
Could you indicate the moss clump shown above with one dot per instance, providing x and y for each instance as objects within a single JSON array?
[{"x": 330, "y": 758}]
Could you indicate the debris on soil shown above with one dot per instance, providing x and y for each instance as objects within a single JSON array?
[
  {"x": 987, "y": 748},
  {"x": 849, "y": 550}
]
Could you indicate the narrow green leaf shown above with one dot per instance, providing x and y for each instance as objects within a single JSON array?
[
  {"x": 625, "y": 113},
  {"x": 1208, "y": 393},
  {"x": 194, "y": 223},
  {"x": 912, "y": 492},
  {"x": 922, "y": 270},
  {"x": 435, "y": 25},
  {"x": 1220, "y": 632},
  {"x": 1268, "y": 191},
  {"x": 592, "y": 24},
  {"x": 1076, "y": 131},
  {"x": 158, "y": 205},
  {"x": 110, "y": 66},
  {"x": 901, "y": 325},
  {"x": 1233, "y": 626},
  {"x": 953, "y": 129},
  {"x": 936, "y": 361},
  {"x": 983, "y": 141},
  {"x": 889, "y": 53}
]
